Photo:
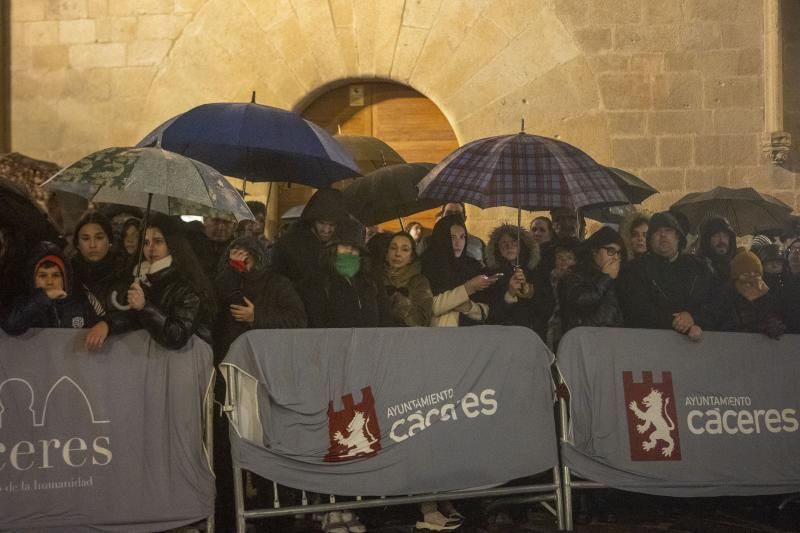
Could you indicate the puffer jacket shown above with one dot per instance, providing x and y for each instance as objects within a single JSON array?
[
  {"x": 174, "y": 311},
  {"x": 35, "y": 309},
  {"x": 588, "y": 298}
]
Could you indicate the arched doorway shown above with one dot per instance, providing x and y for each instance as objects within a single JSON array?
[{"x": 398, "y": 115}]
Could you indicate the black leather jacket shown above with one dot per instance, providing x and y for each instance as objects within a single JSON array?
[
  {"x": 174, "y": 311},
  {"x": 588, "y": 298}
]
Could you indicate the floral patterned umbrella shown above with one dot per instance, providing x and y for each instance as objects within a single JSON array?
[{"x": 151, "y": 178}]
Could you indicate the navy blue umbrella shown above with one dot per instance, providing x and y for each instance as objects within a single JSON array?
[{"x": 257, "y": 143}]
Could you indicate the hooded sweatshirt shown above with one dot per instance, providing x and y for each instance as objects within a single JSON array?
[
  {"x": 36, "y": 310},
  {"x": 721, "y": 263}
]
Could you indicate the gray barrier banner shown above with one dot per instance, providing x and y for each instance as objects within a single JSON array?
[
  {"x": 392, "y": 411},
  {"x": 108, "y": 441},
  {"x": 654, "y": 412}
]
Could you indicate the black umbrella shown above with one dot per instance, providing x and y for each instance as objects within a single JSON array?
[
  {"x": 388, "y": 193},
  {"x": 634, "y": 188},
  {"x": 23, "y": 217},
  {"x": 749, "y": 211},
  {"x": 370, "y": 153}
]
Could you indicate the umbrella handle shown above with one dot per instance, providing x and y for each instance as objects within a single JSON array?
[
  {"x": 116, "y": 304},
  {"x": 141, "y": 236}
]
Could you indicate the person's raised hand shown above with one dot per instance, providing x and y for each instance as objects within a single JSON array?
[
  {"x": 136, "y": 297},
  {"x": 478, "y": 283},
  {"x": 244, "y": 313},
  {"x": 612, "y": 267}
]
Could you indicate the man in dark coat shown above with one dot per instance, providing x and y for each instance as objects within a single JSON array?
[
  {"x": 209, "y": 241},
  {"x": 298, "y": 252},
  {"x": 718, "y": 245},
  {"x": 666, "y": 289},
  {"x": 790, "y": 292}
]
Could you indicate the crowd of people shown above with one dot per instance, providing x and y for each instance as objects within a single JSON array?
[{"x": 218, "y": 280}]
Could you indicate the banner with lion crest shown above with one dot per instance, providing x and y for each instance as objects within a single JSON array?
[
  {"x": 391, "y": 411},
  {"x": 654, "y": 412}
]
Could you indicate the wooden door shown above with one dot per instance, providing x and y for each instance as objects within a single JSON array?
[{"x": 398, "y": 115}]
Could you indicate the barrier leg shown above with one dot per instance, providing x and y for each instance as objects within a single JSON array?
[
  {"x": 566, "y": 481},
  {"x": 559, "y": 499},
  {"x": 209, "y": 437},
  {"x": 238, "y": 494}
]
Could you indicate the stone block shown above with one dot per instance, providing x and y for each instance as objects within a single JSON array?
[
  {"x": 723, "y": 63},
  {"x": 131, "y": 81},
  {"x": 675, "y": 151},
  {"x": 31, "y": 84},
  {"x": 66, "y": 9},
  {"x": 699, "y": 36},
  {"x": 655, "y": 38},
  {"x": 188, "y": 6},
  {"x": 96, "y": 8},
  {"x": 681, "y": 90},
  {"x": 154, "y": 27},
  {"x": 50, "y": 57},
  {"x": 593, "y": 40},
  {"x": 765, "y": 178},
  {"x": 635, "y": 152},
  {"x": 346, "y": 37},
  {"x": 707, "y": 150},
  {"x": 123, "y": 29},
  {"x": 750, "y": 62},
  {"x": 703, "y": 179},
  {"x": 28, "y": 10},
  {"x": 17, "y": 34},
  {"x": 740, "y": 36},
  {"x": 743, "y": 91},
  {"x": 91, "y": 85},
  {"x": 679, "y": 61},
  {"x": 97, "y": 55},
  {"x": 609, "y": 63},
  {"x": 409, "y": 45},
  {"x": 675, "y": 122},
  {"x": 512, "y": 16},
  {"x": 662, "y": 12},
  {"x": 625, "y": 91},
  {"x": 572, "y": 13},
  {"x": 342, "y": 12},
  {"x": 127, "y": 8},
  {"x": 142, "y": 53},
  {"x": 665, "y": 179},
  {"x": 708, "y": 9},
  {"x": 420, "y": 13},
  {"x": 102, "y": 29},
  {"x": 647, "y": 62},
  {"x": 21, "y": 58},
  {"x": 615, "y": 11},
  {"x": 41, "y": 33},
  {"x": 738, "y": 120},
  {"x": 626, "y": 123},
  {"x": 76, "y": 31},
  {"x": 740, "y": 150},
  {"x": 37, "y": 110}
]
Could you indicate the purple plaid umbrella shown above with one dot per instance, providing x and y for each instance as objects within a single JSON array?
[{"x": 523, "y": 171}]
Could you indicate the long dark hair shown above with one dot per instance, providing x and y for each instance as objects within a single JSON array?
[
  {"x": 443, "y": 269},
  {"x": 93, "y": 217},
  {"x": 183, "y": 258}
]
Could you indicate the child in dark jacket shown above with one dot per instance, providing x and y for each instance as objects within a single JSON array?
[{"x": 52, "y": 300}]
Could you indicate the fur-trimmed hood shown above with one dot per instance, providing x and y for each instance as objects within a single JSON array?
[{"x": 529, "y": 253}]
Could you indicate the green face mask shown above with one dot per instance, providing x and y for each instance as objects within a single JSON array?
[{"x": 347, "y": 265}]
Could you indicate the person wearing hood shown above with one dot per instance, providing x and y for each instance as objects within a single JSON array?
[
  {"x": 667, "y": 289},
  {"x": 298, "y": 252},
  {"x": 753, "y": 306},
  {"x": 97, "y": 265},
  {"x": 717, "y": 243},
  {"x": 455, "y": 278},
  {"x": 633, "y": 231},
  {"x": 790, "y": 295},
  {"x": 408, "y": 291},
  {"x": 171, "y": 297},
  {"x": 343, "y": 292},
  {"x": 251, "y": 296},
  {"x": 52, "y": 300},
  {"x": 588, "y": 295},
  {"x": 510, "y": 299}
]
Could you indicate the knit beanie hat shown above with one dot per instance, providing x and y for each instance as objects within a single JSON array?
[
  {"x": 771, "y": 252},
  {"x": 745, "y": 262}
]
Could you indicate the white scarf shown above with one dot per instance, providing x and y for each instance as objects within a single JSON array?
[{"x": 146, "y": 267}]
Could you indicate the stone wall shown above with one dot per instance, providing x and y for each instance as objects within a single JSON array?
[
  {"x": 791, "y": 79},
  {"x": 669, "y": 89}
]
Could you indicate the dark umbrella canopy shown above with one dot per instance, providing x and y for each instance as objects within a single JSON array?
[
  {"x": 521, "y": 170},
  {"x": 748, "y": 211},
  {"x": 635, "y": 190},
  {"x": 256, "y": 142},
  {"x": 369, "y": 153},
  {"x": 23, "y": 217},
  {"x": 388, "y": 193}
]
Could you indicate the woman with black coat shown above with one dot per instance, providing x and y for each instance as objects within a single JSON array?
[
  {"x": 588, "y": 295},
  {"x": 513, "y": 252},
  {"x": 171, "y": 298}
]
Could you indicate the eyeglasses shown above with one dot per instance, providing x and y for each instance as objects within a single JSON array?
[{"x": 611, "y": 251}]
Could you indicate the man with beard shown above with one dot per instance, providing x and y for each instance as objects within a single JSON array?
[
  {"x": 718, "y": 245},
  {"x": 667, "y": 289}
]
